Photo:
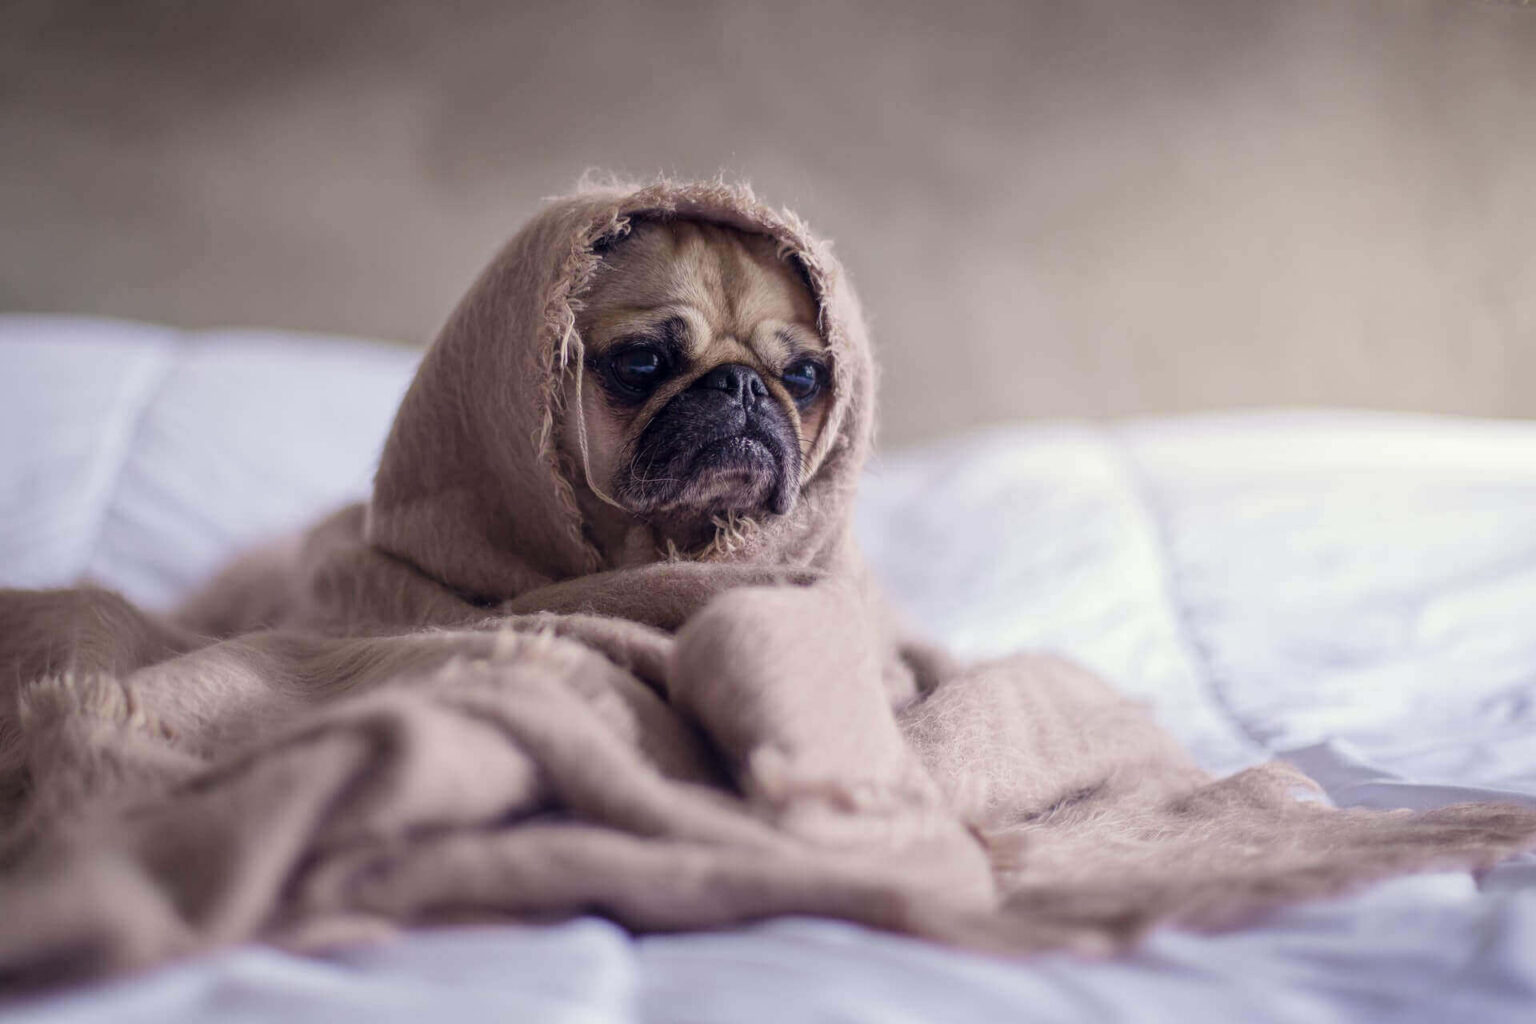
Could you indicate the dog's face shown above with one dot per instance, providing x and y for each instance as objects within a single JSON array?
[{"x": 705, "y": 376}]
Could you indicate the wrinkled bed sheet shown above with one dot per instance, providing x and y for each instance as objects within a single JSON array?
[{"x": 1356, "y": 592}]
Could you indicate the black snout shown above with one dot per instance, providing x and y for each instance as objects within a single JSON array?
[{"x": 740, "y": 382}]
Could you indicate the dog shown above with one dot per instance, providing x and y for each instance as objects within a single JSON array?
[{"x": 703, "y": 386}]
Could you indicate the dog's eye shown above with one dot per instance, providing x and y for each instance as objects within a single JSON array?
[
  {"x": 803, "y": 380},
  {"x": 637, "y": 369}
]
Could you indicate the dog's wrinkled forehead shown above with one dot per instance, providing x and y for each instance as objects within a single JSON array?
[{"x": 721, "y": 293}]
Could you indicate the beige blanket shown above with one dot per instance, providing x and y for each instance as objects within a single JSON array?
[{"x": 444, "y": 706}]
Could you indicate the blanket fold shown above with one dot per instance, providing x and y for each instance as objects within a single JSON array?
[{"x": 449, "y": 704}]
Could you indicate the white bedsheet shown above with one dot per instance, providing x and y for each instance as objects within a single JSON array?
[{"x": 1354, "y": 591}]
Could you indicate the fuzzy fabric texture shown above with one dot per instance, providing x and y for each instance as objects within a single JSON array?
[{"x": 446, "y": 705}]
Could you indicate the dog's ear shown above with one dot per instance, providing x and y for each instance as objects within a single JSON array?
[
  {"x": 605, "y": 241},
  {"x": 801, "y": 272}
]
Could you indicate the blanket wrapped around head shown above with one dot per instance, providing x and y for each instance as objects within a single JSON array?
[{"x": 451, "y": 704}]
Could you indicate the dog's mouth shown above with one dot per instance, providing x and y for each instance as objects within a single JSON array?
[
  {"x": 733, "y": 474},
  {"x": 674, "y": 471},
  {"x": 742, "y": 451}
]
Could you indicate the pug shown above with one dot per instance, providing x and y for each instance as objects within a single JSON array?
[{"x": 702, "y": 388}]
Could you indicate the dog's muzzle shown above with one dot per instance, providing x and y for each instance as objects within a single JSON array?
[{"x": 723, "y": 445}]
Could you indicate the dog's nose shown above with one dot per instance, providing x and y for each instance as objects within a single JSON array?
[{"x": 740, "y": 382}]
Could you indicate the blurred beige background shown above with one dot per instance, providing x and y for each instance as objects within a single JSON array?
[{"x": 1051, "y": 208}]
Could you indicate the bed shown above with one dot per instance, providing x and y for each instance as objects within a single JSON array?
[{"x": 1355, "y": 592}]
